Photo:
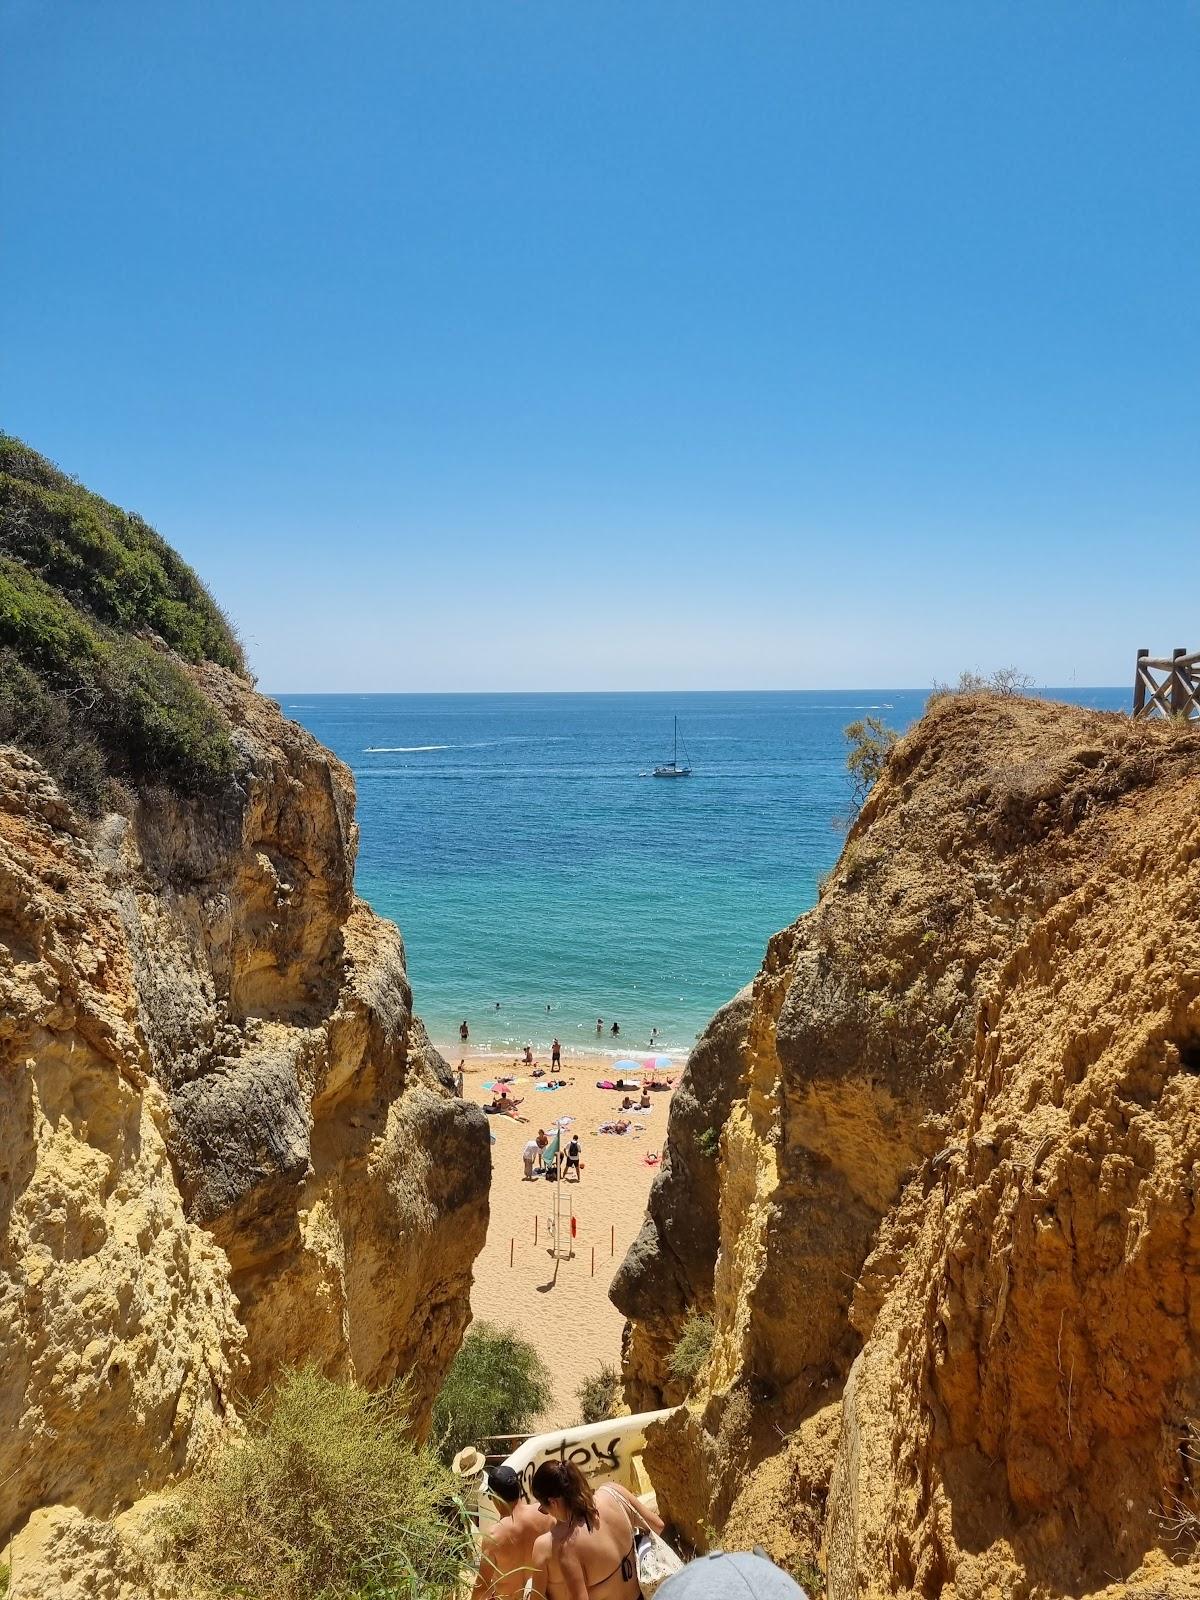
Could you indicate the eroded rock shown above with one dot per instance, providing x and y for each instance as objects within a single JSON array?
[
  {"x": 226, "y": 1144},
  {"x": 955, "y": 1182}
]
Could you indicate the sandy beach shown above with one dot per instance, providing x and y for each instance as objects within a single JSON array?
[{"x": 563, "y": 1309}]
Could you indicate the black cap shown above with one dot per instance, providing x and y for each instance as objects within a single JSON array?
[{"x": 504, "y": 1484}]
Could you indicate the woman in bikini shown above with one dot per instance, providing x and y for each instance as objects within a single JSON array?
[{"x": 589, "y": 1554}]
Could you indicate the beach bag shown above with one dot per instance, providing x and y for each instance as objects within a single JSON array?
[{"x": 655, "y": 1559}]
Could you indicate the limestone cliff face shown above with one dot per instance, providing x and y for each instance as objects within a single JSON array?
[
  {"x": 225, "y": 1141},
  {"x": 950, "y": 1235}
]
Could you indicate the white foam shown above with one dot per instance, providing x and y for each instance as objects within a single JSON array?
[{"x": 401, "y": 749}]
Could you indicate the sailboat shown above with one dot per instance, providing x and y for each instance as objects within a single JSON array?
[{"x": 672, "y": 769}]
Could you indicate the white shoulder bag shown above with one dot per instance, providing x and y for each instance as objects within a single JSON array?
[{"x": 656, "y": 1561}]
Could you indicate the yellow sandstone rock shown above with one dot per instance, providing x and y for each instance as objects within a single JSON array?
[
  {"x": 933, "y": 1174},
  {"x": 226, "y": 1143}
]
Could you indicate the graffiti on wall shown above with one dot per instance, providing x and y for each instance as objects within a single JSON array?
[{"x": 594, "y": 1459}]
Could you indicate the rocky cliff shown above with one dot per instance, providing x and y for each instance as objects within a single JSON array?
[
  {"x": 226, "y": 1143},
  {"x": 933, "y": 1174}
]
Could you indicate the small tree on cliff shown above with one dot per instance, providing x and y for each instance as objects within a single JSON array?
[
  {"x": 497, "y": 1384},
  {"x": 870, "y": 741}
]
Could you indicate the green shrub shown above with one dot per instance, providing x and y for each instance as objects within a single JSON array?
[
  {"x": 496, "y": 1384},
  {"x": 691, "y": 1350},
  {"x": 104, "y": 560},
  {"x": 870, "y": 741},
  {"x": 600, "y": 1395},
  {"x": 709, "y": 1143},
  {"x": 328, "y": 1498},
  {"x": 809, "y": 1576},
  {"x": 81, "y": 583}
]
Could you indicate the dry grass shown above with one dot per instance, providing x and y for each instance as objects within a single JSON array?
[
  {"x": 691, "y": 1350},
  {"x": 328, "y": 1498}
]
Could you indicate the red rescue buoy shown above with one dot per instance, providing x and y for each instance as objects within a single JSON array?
[{"x": 573, "y": 1229}]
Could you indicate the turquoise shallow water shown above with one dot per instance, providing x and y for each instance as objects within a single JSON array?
[{"x": 528, "y": 861}]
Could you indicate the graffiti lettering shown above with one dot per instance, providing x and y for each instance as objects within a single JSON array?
[{"x": 594, "y": 1460}]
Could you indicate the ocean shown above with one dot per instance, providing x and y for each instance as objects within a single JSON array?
[{"x": 542, "y": 879}]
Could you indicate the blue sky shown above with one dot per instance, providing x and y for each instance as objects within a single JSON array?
[{"x": 623, "y": 343}]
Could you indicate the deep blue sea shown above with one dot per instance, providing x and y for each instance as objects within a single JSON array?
[{"x": 542, "y": 879}]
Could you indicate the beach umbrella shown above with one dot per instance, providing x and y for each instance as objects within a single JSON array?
[
  {"x": 662, "y": 1061},
  {"x": 627, "y": 1066}
]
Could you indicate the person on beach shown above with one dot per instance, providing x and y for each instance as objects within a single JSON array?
[
  {"x": 615, "y": 1029},
  {"x": 460, "y": 1079},
  {"x": 574, "y": 1151},
  {"x": 528, "y": 1055},
  {"x": 506, "y": 1560},
  {"x": 464, "y": 1033},
  {"x": 542, "y": 1142},
  {"x": 599, "y": 1024},
  {"x": 531, "y": 1156},
  {"x": 589, "y": 1552},
  {"x": 556, "y": 1054}
]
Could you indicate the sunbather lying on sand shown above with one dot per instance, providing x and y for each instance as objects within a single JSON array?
[
  {"x": 503, "y": 1105},
  {"x": 619, "y": 1126}
]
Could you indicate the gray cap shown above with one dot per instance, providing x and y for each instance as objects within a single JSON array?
[{"x": 730, "y": 1575}]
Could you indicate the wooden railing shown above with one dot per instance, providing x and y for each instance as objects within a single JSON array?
[{"x": 1167, "y": 688}]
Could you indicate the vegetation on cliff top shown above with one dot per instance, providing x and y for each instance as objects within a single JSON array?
[
  {"x": 89, "y": 597},
  {"x": 328, "y": 1498}
]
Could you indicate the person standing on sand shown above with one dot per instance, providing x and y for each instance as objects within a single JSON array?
[
  {"x": 506, "y": 1559},
  {"x": 556, "y": 1054},
  {"x": 531, "y": 1154},
  {"x": 589, "y": 1550},
  {"x": 464, "y": 1033},
  {"x": 574, "y": 1151},
  {"x": 459, "y": 1079}
]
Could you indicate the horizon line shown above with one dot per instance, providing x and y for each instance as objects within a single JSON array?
[{"x": 1032, "y": 693}]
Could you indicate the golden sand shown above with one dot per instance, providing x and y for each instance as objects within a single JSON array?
[{"x": 563, "y": 1308}]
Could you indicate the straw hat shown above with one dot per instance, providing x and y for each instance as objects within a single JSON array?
[{"x": 469, "y": 1463}]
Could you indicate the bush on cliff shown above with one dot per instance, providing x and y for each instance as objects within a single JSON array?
[
  {"x": 1004, "y": 683},
  {"x": 600, "y": 1395},
  {"x": 497, "y": 1384},
  {"x": 106, "y": 561},
  {"x": 328, "y": 1498},
  {"x": 870, "y": 741},
  {"x": 690, "y": 1352},
  {"x": 80, "y": 687}
]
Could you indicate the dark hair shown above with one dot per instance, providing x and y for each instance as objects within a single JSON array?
[
  {"x": 562, "y": 1480},
  {"x": 504, "y": 1484}
]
